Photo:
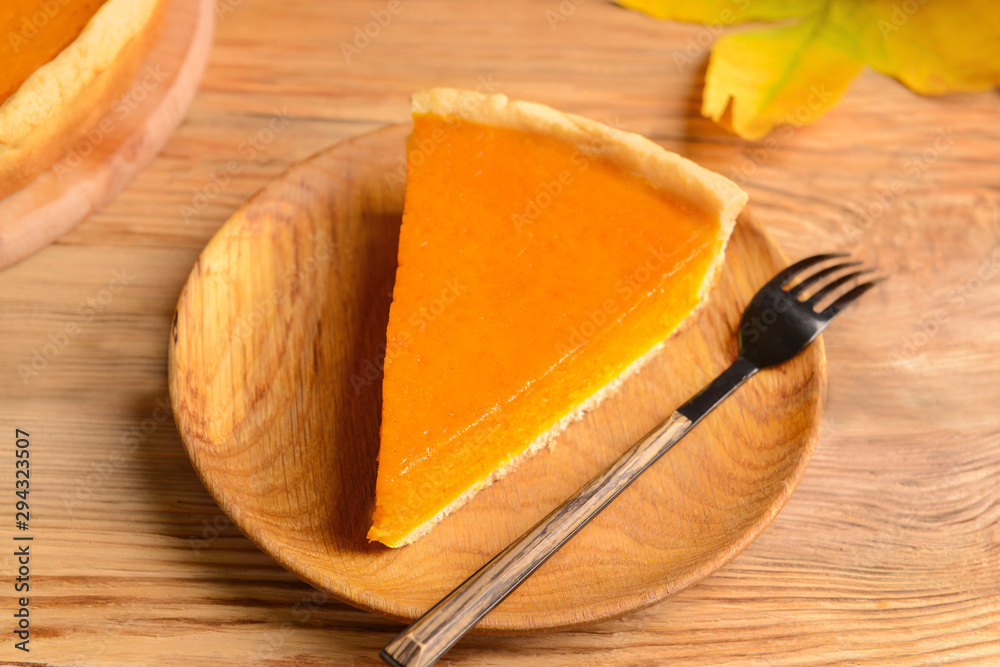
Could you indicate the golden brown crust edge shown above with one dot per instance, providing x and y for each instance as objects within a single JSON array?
[
  {"x": 68, "y": 96},
  {"x": 687, "y": 180}
]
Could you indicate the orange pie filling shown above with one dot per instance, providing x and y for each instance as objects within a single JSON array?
[
  {"x": 35, "y": 32},
  {"x": 531, "y": 274}
]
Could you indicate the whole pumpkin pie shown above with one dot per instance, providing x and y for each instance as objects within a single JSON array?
[
  {"x": 65, "y": 63},
  {"x": 542, "y": 258}
]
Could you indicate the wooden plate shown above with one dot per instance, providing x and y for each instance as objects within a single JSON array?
[
  {"x": 98, "y": 166},
  {"x": 274, "y": 378}
]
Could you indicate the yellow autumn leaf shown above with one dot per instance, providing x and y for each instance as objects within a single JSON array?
[
  {"x": 931, "y": 46},
  {"x": 796, "y": 72},
  {"x": 792, "y": 74},
  {"x": 725, "y": 12}
]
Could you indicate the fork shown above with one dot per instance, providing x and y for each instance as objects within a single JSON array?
[{"x": 780, "y": 321}]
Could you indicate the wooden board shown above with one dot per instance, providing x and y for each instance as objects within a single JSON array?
[
  {"x": 886, "y": 554},
  {"x": 275, "y": 378},
  {"x": 134, "y": 130}
]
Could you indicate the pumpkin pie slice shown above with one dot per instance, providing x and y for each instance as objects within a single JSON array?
[
  {"x": 64, "y": 65},
  {"x": 542, "y": 258}
]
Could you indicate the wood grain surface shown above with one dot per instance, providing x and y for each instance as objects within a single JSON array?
[
  {"x": 105, "y": 157},
  {"x": 274, "y": 358},
  {"x": 889, "y": 550}
]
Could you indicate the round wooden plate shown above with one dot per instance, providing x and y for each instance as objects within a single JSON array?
[
  {"x": 101, "y": 163},
  {"x": 275, "y": 358}
]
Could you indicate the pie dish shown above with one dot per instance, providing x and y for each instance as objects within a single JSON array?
[
  {"x": 65, "y": 65},
  {"x": 275, "y": 355}
]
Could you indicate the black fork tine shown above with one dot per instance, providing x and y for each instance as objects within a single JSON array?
[
  {"x": 796, "y": 268},
  {"x": 819, "y": 275},
  {"x": 834, "y": 286},
  {"x": 834, "y": 308}
]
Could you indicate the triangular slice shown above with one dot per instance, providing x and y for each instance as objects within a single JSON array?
[{"x": 542, "y": 256}]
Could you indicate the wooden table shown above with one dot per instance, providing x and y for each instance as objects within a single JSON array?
[{"x": 889, "y": 552}]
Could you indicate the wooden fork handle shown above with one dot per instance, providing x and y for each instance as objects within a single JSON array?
[{"x": 423, "y": 642}]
